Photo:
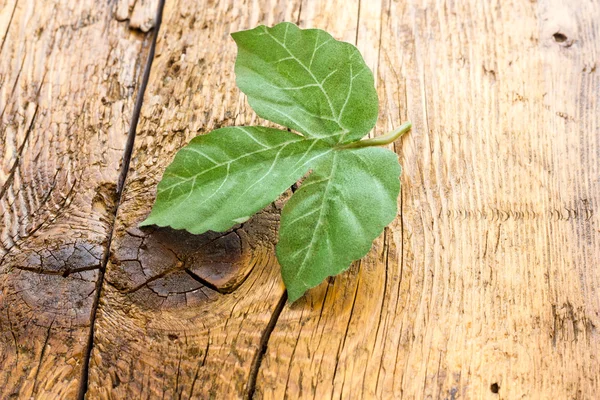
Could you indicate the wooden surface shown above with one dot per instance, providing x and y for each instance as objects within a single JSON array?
[
  {"x": 485, "y": 286},
  {"x": 68, "y": 78}
]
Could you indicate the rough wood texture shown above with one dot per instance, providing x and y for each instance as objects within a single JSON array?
[
  {"x": 68, "y": 78},
  {"x": 488, "y": 281},
  {"x": 485, "y": 286},
  {"x": 191, "y": 311},
  {"x": 140, "y": 13},
  {"x": 485, "y": 283}
]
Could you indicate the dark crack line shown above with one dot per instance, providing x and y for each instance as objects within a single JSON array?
[
  {"x": 8, "y": 26},
  {"x": 262, "y": 348},
  {"x": 206, "y": 283},
  {"x": 14, "y": 336},
  {"x": 15, "y": 84},
  {"x": 200, "y": 365},
  {"x": 64, "y": 274},
  {"x": 151, "y": 279},
  {"x": 37, "y": 372},
  {"x": 357, "y": 23},
  {"x": 138, "y": 104},
  {"x": 343, "y": 344},
  {"x": 13, "y": 169},
  {"x": 65, "y": 202},
  {"x": 83, "y": 384}
]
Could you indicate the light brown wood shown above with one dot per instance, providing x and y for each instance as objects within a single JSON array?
[
  {"x": 485, "y": 283},
  {"x": 485, "y": 286},
  {"x": 488, "y": 281},
  {"x": 190, "y": 311},
  {"x": 68, "y": 78},
  {"x": 141, "y": 14}
]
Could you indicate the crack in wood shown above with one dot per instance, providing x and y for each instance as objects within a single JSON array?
[
  {"x": 83, "y": 386},
  {"x": 138, "y": 105},
  {"x": 212, "y": 260},
  {"x": 64, "y": 274},
  {"x": 208, "y": 284},
  {"x": 13, "y": 169},
  {"x": 12, "y": 14},
  {"x": 65, "y": 201},
  {"x": 262, "y": 347},
  {"x": 37, "y": 372},
  {"x": 341, "y": 347}
]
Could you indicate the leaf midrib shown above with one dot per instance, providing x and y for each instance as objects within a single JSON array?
[
  {"x": 228, "y": 163},
  {"x": 337, "y": 117},
  {"x": 219, "y": 165},
  {"x": 310, "y": 246}
]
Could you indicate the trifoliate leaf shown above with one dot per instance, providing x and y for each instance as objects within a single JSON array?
[
  {"x": 322, "y": 88},
  {"x": 333, "y": 218},
  {"x": 306, "y": 80},
  {"x": 224, "y": 177}
]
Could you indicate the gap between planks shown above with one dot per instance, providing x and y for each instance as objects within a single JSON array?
[{"x": 127, "y": 151}]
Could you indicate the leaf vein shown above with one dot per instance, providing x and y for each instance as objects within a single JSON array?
[
  {"x": 307, "y": 70},
  {"x": 301, "y": 217},
  {"x": 320, "y": 219},
  {"x": 187, "y": 179},
  {"x": 252, "y": 137},
  {"x": 317, "y": 49},
  {"x": 193, "y": 150},
  {"x": 341, "y": 114},
  {"x": 292, "y": 87},
  {"x": 266, "y": 173}
]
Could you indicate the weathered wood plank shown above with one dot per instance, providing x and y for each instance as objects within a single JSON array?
[
  {"x": 183, "y": 315},
  {"x": 68, "y": 77},
  {"x": 140, "y": 13},
  {"x": 487, "y": 281}
]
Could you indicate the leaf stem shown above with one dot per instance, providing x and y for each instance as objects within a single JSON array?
[{"x": 380, "y": 140}]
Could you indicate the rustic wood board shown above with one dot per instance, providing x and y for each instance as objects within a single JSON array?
[
  {"x": 485, "y": 286},
  {"x": 485, "y": 283},
  {"x": 159, "y": 331},
  {"x": 68, "y": 77}
]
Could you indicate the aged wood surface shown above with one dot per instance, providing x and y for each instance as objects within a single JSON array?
[
  {"x": 181, "y": 333},
  {"x": 485, "y": 286},
  {"x": 485, "y": 283},
  {"x": 68, "y": 77},
  {"x": 488, "y": 280}
]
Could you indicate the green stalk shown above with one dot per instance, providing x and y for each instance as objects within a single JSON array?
[{"x": 380, "y": 140}]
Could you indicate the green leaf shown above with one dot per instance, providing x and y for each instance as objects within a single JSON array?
[
  {"x": 224, "y": 177},
  {"x": 306, "y": 80},
  {"x": 336, "y": 214},
  {"x": 322, "y": 88}
]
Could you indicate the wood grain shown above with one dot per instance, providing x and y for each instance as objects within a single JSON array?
[
  {"x": 68, "y": 77},
  {"x": 184, "y": 316},
  {"x": 141, "y": 14},
  {"x": 485, "y": 286}
]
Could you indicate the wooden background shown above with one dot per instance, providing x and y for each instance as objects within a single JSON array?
[{"x": 485, "y": 286}]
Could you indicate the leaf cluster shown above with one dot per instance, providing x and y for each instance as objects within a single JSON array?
[{"x": 322, "y": 89}]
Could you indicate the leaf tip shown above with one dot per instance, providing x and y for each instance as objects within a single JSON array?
[
  {"x": 236, "y": 35},
  {"x": 146, "y": 222},
  {"x": 294, "y": 295}
]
